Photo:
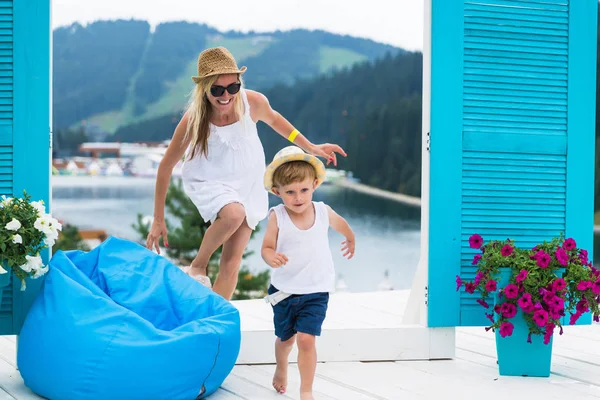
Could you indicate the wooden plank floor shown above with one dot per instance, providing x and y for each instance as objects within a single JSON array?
[{"x": 472, "y": 374}]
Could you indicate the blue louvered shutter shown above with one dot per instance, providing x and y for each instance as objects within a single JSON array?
[
  {"x": 6, "y": 142},
  {"x": 521, "y": 137},
  {"x": 24, "y": 127}
]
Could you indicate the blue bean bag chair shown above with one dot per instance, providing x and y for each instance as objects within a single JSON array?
[{"x": 121, "y": 322}]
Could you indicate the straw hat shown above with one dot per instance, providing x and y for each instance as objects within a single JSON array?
[
  {"x": 293, "y": 153},
  {"x": 216, "y": 61}
]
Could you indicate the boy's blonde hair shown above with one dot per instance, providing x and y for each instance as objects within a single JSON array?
[{"x": 292, "y": 172}]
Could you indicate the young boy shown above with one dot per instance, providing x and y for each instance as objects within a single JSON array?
[{"x": 296, "y": 246}]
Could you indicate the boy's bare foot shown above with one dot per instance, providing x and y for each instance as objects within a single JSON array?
[
  {"x": 280, "y": 380},
  {"x": 306, "y": 396}
]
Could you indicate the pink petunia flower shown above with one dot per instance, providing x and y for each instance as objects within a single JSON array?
[
  {"x": 575, "y": 317},
  {"x": 506, "y": 329},
  {"x": 548, "y": 296},
  {"x": 540, "y": 317},
  {"x": 582, "y": 306},
  {"x": 555, "y": 314},
  {"x": 542, "y": 259},
  {"x": 478, "y": 278},
  {"x": 521, "y": 276},
  {"x": 507, "y": 250},
  {"x": 511, "y": 291},
  {"x": 569, "y": 244},
  {"x": 491, "y": 285},
  {"x": 562, "y": 257},
  {"x": 596, "y": 287},
  {"x": 584, "y": 285},
  {"x": 470, "y": 287},
  {"x": 559, "y": 284},
  {"x": 556, "y": 304},
  {"x": 475, "y": 241},
  {"x": 583, "y": 256},
  {"x": 509, "y": 310},
  {"x": 549, "y": 332},
  {"x": 525, "y": 302}
]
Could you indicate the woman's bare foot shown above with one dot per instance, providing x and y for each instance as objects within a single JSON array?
[
  {"x": 280, "y": 379},
  {"x": 306, "y": 396}
]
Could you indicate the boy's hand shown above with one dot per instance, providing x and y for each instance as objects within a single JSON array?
[
  {"x": 348, "y": 248},
  {"x": 277, "y": 260}
]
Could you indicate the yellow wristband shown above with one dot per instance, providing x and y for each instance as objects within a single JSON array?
[{"x": 293, "y": 135}]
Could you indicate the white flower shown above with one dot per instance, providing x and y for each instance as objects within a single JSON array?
[
  {"x": 40, "y": 272},
  {"x": 13, "y": 225},
  {"x": 48, "y": 225},
  {"x": 5, "y": 200},
  {"x": 39, "y": 206},
  {"x": 51, "y": 238},
  {"x": 17, "y": 239},
  {"x": 40, "y": 224},
  {"x": 53, "y": 223},
  {"x": 33, "y": 263}
]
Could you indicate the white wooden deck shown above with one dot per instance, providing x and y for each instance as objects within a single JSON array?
[{"x": 471, "y": 374}]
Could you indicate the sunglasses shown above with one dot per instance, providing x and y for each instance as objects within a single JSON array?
[{"x": 218, "y": 91}]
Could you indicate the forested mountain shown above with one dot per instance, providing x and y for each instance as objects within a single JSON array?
[
  {"x": 373, "y": 110},
  {"x": 112, "y": 73}
]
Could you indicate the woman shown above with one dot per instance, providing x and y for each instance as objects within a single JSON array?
[{"x": 224, "y": 164}]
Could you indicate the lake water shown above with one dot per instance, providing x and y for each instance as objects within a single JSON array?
[{"x": 387, "y": 232}]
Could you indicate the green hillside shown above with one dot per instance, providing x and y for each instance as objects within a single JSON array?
[
  {"x": 333, "y": 58},
  {"x": 175, "y": 96},
  {"x": 110, "y": 74}
]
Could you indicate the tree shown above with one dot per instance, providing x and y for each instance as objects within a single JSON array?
[{"x": 186, "y": 235}]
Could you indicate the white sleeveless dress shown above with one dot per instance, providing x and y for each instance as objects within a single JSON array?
[{"x": 231, "y": 172}]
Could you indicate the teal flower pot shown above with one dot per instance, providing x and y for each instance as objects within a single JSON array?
[{"x": 517, "y": 357}]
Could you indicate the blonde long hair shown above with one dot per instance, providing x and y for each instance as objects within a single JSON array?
[{"x": 199, "y": 111}]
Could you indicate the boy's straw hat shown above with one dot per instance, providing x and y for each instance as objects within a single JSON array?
[
  {"x": 293, "y": 153},
  {"x": 216, "y": 61}
]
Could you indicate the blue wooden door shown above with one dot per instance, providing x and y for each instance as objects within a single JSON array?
[
  {"x": 512, "y": 134},
  {"x": 24, "y": 125}
]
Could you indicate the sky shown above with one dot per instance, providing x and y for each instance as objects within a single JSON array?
[{"x": 395, "y": 22}]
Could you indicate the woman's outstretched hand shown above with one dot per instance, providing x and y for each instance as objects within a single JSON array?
[
  {"x": 327, "y": 151},
  {"x": 158, "y": 229}
]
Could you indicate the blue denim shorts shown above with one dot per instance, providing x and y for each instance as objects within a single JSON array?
[{"x": 303, "y": 313}]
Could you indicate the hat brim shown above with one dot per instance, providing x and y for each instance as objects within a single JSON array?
[
  {"x": 312, "y": 160},
  {"x": 240, "y": 71}
]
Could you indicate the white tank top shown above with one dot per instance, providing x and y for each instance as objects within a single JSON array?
[{"x": 310, "y": 265}]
